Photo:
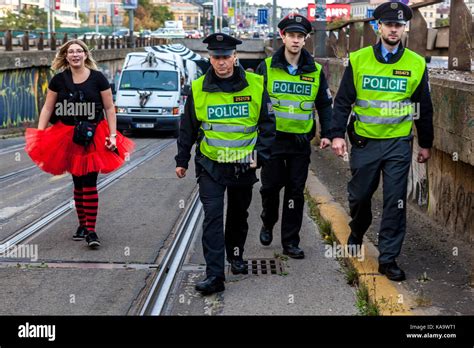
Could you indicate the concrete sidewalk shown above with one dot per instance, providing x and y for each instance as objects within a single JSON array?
[
  {"x": 315, "y": 285},
  {"x": 437, "y": 266}
]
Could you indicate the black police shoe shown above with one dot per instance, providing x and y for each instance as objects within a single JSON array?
[
  {"x": 392, "y": 271},
  {"x": 354, "y": 244},
  {"x": 92, "y": 240},
  {"x": 210, "y": 285},
  {"x": 238, "y": 267},
  {"x": 293, "y": 251},
  {"x": 81, "y": 233},
  {"x": 266, "y": 236}
]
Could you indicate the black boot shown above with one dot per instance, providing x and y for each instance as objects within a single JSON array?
[
  {"x": 266, "y": 236},
  {"x": 293, "y": 251},
  {"x": 392, "y": 271},
  {"x": 210, "y": 285},
  {"x": 238, "y": 267}
]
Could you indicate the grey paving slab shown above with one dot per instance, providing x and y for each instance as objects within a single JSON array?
[
  {"x": 312, "y": 286},
  {"x": 136, "y": 216},
  {"x": 69, "y": 291}
]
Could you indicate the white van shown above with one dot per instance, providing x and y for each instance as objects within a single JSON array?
[{"x": 149, "y": 92}]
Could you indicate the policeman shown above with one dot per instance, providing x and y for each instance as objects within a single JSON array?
[
  {"x": 229, "y": 115},
  {"x": 297, "y": 86},
  {"x": 388, "y": 85}
]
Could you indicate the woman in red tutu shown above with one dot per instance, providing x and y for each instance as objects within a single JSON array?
[{"x": 53, "y": 149}]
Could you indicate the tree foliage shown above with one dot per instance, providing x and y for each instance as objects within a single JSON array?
[
  {"x": 29, "y": 18},
  {"x": 148, "y": 16}
]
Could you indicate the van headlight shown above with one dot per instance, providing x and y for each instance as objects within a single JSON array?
[{"x": 120, "y": 110}]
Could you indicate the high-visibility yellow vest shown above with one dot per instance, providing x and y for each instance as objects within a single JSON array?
[
  {"x": 383, "y": 108},
  {"x": 292, "y": 98},
  {"x": 229, "y": 120}
]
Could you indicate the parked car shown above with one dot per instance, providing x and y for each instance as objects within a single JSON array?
[
  {"x": 169, "y": 33},
  {"x": 30, "y": 36},
  {"x": 124, "y": 32},
  {"x": 145, "y": 33},
  {"x": 193, "y": 34},
  {"x": 90, "y": 34}
]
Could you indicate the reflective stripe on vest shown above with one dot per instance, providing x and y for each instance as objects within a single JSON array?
[
  {"x": 229, "y": 120},
  {"x": 382, "y": 103},
  {"x": 383, "y": 120},
  {"x": 306, "y": 105},
  {"x": 293, "y": 116},
  {"x": 383, "y": 108},
  {"x": 228, "y": 128},
  {"x": 230, "y": 143},
  {"x": 292, "y": 98}
]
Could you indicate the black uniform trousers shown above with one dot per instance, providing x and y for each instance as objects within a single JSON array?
[
  {"x": 289, "y": 171},
  {"x": 392, "y": 159},
  {"x": 214, "y": 239}
]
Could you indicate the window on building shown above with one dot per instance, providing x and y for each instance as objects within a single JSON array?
[
  {"x": 431, "y": 25},
  {"x": 188, "y": 19},
  {"x": 431, "y": 14},
  {"x": 180, "y": 18},
  {"x": 104, "y": 19}
]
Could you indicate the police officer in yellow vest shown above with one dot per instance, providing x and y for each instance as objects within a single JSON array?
[
  {"x": 297, "y": 86},
  {"x": 388, "y": 86},
  {"x": 229, "y": 114}
]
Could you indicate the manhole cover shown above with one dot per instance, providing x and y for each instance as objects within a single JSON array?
[{"x": 264, "y": 266}]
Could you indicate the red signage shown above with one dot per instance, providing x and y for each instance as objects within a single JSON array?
[
  {"x": 57, "y": 4},
  {"x": 333, "y": 12},
  {"x": 337, "y": 12},
  {"x": 311, "y": 12}
]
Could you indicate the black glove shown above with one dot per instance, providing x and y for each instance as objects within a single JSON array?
[
  {"x": 301, "y": 139},
  {"x": 241, "y": 168}
]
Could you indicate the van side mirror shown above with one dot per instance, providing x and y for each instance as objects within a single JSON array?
[{"x": 186, "y": 90}]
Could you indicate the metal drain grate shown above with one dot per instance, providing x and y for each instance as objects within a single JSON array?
[{"x": 264, "y": 266}]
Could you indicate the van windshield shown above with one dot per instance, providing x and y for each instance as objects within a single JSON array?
[{"x": 149, "y": 80}]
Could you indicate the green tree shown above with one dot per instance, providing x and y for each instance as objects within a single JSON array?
[
  {"x": 148, "y": 16},
  {"x": 84, "y": 19},
  {"x": 29, "y": 18}
]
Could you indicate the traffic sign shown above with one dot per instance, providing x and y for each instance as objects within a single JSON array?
[{"x": 262, "y": 16}]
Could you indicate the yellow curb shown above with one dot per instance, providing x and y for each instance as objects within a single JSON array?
[{"x": 381, "y": 290}]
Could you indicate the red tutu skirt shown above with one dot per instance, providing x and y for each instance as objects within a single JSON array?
[{"x": 54, "y": 151}]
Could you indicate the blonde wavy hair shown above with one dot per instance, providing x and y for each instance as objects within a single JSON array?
[{"x": 60, "y": 62}]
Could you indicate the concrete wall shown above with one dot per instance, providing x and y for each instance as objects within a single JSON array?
[
  {"x": 444, "y": 187},
  {"x": 24, "y": 78}
]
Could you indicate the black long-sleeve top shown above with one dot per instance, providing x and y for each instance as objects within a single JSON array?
[
  {"x": 289, "y": 142},
  {"x": 346, "y": 96},
  {"x": 191, "y": 132}
]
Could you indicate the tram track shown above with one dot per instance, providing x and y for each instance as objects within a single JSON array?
[{"x": 63, "y": 208}]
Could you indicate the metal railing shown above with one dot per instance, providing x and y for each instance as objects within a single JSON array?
[
  {"x": 454, "y": 41},
  {"x": 95, "y": 41}
]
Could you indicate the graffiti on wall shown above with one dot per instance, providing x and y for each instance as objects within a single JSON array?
[
  {"x": 20, "y": 93},
  {"x": 23, "y": 91}
]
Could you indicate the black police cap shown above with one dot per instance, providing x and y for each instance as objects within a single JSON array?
[
  {"x": 220, "y": 44},
  {"x": 295, "y": 23},
  {"x": 393, "y": 11}
]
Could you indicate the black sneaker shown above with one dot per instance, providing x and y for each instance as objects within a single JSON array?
[
  {"x": 92, "y": 240},
  {"x": 81, "y": 233}
]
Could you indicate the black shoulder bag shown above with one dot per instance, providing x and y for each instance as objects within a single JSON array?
[{"x": 83, "y": 130}]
